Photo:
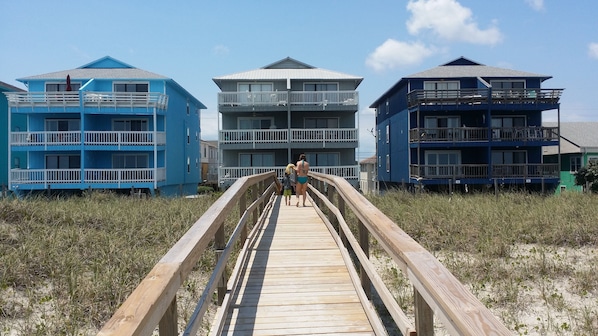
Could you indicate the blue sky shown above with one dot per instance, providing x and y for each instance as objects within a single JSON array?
[{"x": 380, "y": 40}]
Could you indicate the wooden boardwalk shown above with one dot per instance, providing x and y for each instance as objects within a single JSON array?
[{"x": 294, "y": 281}]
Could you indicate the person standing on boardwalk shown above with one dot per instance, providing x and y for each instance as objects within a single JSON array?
[
  {"x": 287, "y": 188},
  {"x": 302, "y": 168}
]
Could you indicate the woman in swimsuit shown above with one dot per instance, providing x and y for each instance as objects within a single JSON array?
[{"x": 302, "y": 168}]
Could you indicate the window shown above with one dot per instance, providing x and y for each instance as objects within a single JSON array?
[
  {"x": 255, "y": 87},
  {"x": 387, "y": 163},
  {"x": 63, "y": 125},
  {"x": 17, "y": 163},
  {"x": 256, "y": 160},
  {"x": 131, "y": 87},
  {"x": 59, "y": 87},
  {"x": 436, "y": 127},
  {"x": 323, "y": 159},
  {"x": 63, "y": 161},
  {"x": 387, "y": 107},
  {"x": 321, "y": 122},
  {"x": 575, "y": 164},
  {"x": 130, "y": 125},
  {"x": 129, "y": 161},
  {"x": 320, "y": 87},
  {"x": 255, "y": 123},
  {"x": 506, "y": 127},
  {"x": 516, "y": 84},
  {"x": 187, "y": 108},
  {"x": 441, "y": 89},
  {"x": 509, "y": 157},
  {"x": 387, "y": 133},
  {"x": 188, "y": 165},
  {"x": 442, "y": 163},
  {"x": 188, "y": 137}
]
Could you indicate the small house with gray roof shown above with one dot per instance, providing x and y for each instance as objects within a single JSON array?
[
  {"x": 464, "y": 126},
  {"x": 579, "y": 147},
  {"x": 272, "y": 114},
  {"x": 105, "y": 125}
]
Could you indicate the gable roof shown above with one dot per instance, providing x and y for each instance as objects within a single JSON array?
[
  {"x": 105, "y": 67},
  {"x": 287, "y": 68},
  {"x": 461, "y": 68},
  {"x": 576, "y": 137},
  {"x": 10, "y": 88}
]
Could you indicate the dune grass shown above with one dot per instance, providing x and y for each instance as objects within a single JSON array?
[{"x": 66, "y": 265}]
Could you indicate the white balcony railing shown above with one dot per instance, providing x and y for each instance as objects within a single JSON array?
[
  {"x": 280, "y": 98},
  {"x": 91, "y": 138},
  {"x": 231, "y": 174},
  {"x": 97, "y": 99},
  {"x": 320, "y": 135},
  {"x": 73, "y": 176}
]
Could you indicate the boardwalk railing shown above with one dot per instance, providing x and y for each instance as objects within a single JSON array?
[
  {"x": 154, "y": 303},
  {"x": 436, "y": 290}
]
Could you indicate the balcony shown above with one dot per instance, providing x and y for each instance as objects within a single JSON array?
[
  {"x": 103, "y": 138},
  {"x": 482, "y": 96},
  {"x": 278, "y": 100},
  {"x": 481, "y": 134},
  {"x": 228, "y": 175},
  {"x": 97, "y": 177},
  {"x": 321, "y": 136},
  {"x": 523, "y": 171},
  {"x": 89, "y": 99}
]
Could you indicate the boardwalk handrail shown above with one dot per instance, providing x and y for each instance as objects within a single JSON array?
[
  {"x": 436, "y": 289},
  {"x": 153, "y": 302}
]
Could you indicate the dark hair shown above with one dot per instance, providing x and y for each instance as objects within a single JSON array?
[{"x": 302, "y": 157}]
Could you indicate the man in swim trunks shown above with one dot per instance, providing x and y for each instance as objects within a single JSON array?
[{"x": 302, "y": 168}]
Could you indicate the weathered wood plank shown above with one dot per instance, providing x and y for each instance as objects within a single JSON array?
[{"x": 296, "y": 282}]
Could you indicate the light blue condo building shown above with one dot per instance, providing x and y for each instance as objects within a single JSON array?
[{"x": 105, "y": 125}]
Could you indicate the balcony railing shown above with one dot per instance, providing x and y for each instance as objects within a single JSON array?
[
  {"x": 91, "y": 138},
  {"x": 96, "y": 99},
  {"x": 482, "y": 96},
  {"x": 530, "y": 170},
  {"x": 325, "y": 135},
  {"x": 476, "y": 134},
  {"x": 231, "y": 174},
  {"x": 281, "y": 98},
  {"x": 73, "y": 176}
]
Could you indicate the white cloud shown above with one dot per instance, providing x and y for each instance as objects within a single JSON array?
[
  {"x": 450, "y": 21},
  {"x": 593, "y": 50},
  {"x": 393, "y": 54},
  {"x": 220, "y": 50},
  {"x": 537, "y": 5}
]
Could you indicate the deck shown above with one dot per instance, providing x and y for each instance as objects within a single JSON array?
[{"x": 294, "y": 281}]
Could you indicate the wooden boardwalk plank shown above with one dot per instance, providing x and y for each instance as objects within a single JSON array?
[{"x": 295, "y": 282}]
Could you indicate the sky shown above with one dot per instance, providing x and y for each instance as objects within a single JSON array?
[{"x": 380, "y": 40}]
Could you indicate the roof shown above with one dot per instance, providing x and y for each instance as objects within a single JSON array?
[
  {"x": 8, "y": 87},
  {"x": 287, "y": 68},
  {"x": 109, "y": 68},
  {"x": 461, "y": 68},
  {"x": 106, "y": 67},
  {"x": 370, "y": 160},
  {"x": 576, "y": 137}
]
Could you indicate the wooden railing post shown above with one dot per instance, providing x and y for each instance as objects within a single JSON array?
[
  {"x": 342, "y": 209},
  {"x": 424, "y": 316},
  {"x": 168, "y": 325},
  {"x": 242, "y": 208},
  {"x": 254, "y": 196},
  {"x": 365, "y": 247},
  {"x": 219, "y": 245},
  {"x": 333, "y": 220}
]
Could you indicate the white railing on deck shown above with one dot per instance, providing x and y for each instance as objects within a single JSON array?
[
  {"x": 125, "y": 99},
  {"x": 281, "y": 135},
  {"x": 55, "y": 176},
  {"x": 58, "y": 98},
  {"x": 324, "y": 135},
  {"x": 245, "y": 136},
  {"x": 124, "y": 138},
  {"x": 231, "y": 174},
  {"x": 99, "y": 99},
  {"x": 280, "y": 98},
  {"x": 91, "y": 138}
]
